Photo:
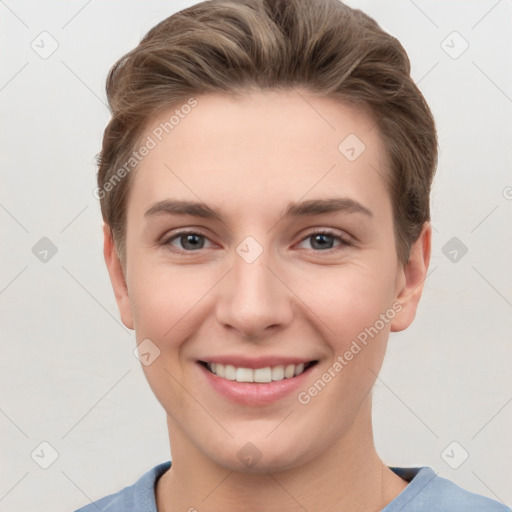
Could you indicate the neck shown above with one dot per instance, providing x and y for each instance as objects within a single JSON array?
[{"x": 347, "y": 475}]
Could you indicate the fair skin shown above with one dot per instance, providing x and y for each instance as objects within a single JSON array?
[{"x": 305, "y": 298}]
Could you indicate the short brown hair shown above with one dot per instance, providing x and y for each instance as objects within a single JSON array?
[{"x": 231, "y": 46}]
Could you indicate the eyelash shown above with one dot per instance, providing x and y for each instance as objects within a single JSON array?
[{"x": 344, "y": 242}]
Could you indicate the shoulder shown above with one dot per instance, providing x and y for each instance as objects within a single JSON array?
[
  {"x": 135, "y": 497},
  {"x": 429, "y": 492}
]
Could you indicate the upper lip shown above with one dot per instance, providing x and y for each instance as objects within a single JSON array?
[{"x": 256, "y": 362}]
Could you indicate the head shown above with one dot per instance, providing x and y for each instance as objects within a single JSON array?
[{"x": 262, "y": 112}]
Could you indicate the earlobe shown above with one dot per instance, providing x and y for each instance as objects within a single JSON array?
[
  {"x": 413, "y": 276},
  {"x": 117, "y": 277}
]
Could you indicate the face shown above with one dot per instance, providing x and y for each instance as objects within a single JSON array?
[{"x": 284, "y": 272}]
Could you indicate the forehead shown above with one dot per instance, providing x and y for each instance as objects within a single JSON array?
[{"x": 258, "y": 148}]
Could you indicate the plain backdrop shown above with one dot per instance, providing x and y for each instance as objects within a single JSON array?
[{"x": 69, "y": 378}]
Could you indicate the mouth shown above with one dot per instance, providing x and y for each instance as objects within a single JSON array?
[
  {"x": 256, "y": 382},
  {"x": 262, "y": 375}
]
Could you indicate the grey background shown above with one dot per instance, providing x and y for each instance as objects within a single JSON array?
[{"x": 68, "y": 376}]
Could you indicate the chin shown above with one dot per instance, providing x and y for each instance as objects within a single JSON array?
[
  {"x": 263, "y": 466},
  {"x": 259, "y": 458}
]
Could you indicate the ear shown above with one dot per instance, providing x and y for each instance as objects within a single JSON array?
[
  {"x": 117, "y": 277},
  {"x": 412, "y": 278}
]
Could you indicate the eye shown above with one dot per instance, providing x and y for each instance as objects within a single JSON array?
[
  {"x": 324, "y": 240},
  {"x": 192, "y": 241},
  {"x": 189, "y": 241}
]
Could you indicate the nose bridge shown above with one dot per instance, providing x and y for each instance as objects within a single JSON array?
[
  {"x": 252, "y": 297},
  {"x": 253, "y": 280}
]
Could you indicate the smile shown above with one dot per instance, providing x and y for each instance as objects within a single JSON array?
[{"x": 258, "y": 375}]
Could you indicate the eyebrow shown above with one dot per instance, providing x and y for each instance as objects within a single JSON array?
[{"x": 294, "y": 209}]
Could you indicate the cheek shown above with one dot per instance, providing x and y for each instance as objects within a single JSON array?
[
  {"x": 347, "y": 299},
  {"x": 162, "y": 300},
  {"x": 355, "y": 308},
  {"x": 162, "y": 297}
]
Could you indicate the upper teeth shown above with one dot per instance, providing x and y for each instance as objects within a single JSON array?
[{"x": 267, "y": 374}]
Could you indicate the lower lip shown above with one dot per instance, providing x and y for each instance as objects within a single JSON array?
[{"x": 254, "y": 393}]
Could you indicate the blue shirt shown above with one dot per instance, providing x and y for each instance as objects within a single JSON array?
[{"x": 426, "y": 492}]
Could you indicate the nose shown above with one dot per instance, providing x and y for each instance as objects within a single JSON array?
[{"x": 254, "y": 299}]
